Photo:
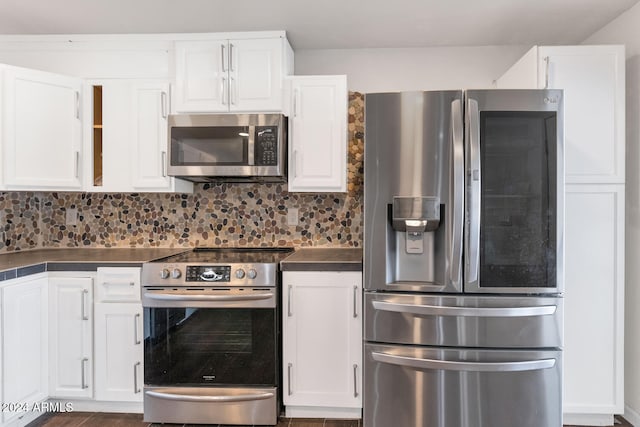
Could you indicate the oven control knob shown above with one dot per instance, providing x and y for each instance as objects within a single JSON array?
[
  {"x": 164, "y": 274},
  {"x": 239, "y": 273},
  {"x": 252, "y": 274},
  {"x": 176, "y": 273}
]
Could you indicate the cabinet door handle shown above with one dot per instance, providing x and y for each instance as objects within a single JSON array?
[
  {"x": 77, "y": 104},
  {"x": 83, "y": 307},
  {"x": 163, "y": 104},
  {"x": 224, "y": 56},
  {"x": 355, "y": 380},
  {"x": 83, "y": 374},
  {"x": 290, "y": 294},
  {"x": 232, "y": 91},
  {"x": 224, "y": 91},
  {"x": 295, "y": 103},
  {"x": 546, "y": 72},
  {"x": 136, "y": 323},
  {"x": 136, "y": 389},
  {"x": 355, "y": 301},
  {"x": 163, "y": 168},
  {"x": 76, "y": 164},
  {"x": 231, "y": 47},
  {"x": 294, "y": 166},
  {"x": 119, "y": 283},
  {"x": 289, "y": 371}
]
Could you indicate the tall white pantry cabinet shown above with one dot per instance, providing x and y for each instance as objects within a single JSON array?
[{"x": 593, "y": 81}]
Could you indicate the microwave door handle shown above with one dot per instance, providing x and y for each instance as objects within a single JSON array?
[
  {"x": 457, "y": 213},
  {"x": 474, "y": 175}
]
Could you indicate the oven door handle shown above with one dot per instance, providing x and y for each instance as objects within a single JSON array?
[
  {"x": 203, "y": 398},
  {"x": 175, "y": 296}
]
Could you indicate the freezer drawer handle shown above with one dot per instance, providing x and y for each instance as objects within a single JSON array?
[
  {"x": 194, "y": 398},
  {"x": 436, "y": 310},
  {"x": 414, "y": 362}
]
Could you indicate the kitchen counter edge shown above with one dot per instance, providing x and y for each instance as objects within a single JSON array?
[
  {"x": 323, "y": 259},
  {"x": 24, "y": 263}
]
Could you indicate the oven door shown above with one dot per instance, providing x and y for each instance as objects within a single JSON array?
[{"x": 211, "y": 356}]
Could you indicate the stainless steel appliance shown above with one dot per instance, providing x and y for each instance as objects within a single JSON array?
[
  {"x": 228, "y": 147},
  {"x": 463, "y": 265},
  {"x": 211, "y": 337}
]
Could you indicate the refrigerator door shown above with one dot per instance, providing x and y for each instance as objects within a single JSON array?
[
  {"x": 514, "y": 204},
  {"x": 414, "y": 191},
  {"x": 465, "y": 321},
  {"x": 433, "y": 387}
]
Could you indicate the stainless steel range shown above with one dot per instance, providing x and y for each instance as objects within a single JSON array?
[{"x": 211, "y": 336}]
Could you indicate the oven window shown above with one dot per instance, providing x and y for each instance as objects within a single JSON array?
[
  {"x": 201, "y": 346},
  {"x": 206, "y": 146}
]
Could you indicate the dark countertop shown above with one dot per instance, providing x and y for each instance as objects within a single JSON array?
[
  {"x": 323, "y": 259},
  {"x": 23, "y": 263}
]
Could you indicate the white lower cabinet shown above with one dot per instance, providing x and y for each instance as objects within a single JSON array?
[
  {"x": 119, "y": 354},
  {"x": 24, "y": 346},
  {"x": 322, "y": 344},
  {"x": 594, "y": 302},
  {"x": 70, "y": 337}
]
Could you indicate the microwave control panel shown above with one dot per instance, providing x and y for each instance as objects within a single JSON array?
[{"x": 266, "y": 146}]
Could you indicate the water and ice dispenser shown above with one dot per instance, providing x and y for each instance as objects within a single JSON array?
[{"x": 413, "y": 239}]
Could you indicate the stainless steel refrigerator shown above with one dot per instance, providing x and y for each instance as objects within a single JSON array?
[{"x": 463, "y": 265}]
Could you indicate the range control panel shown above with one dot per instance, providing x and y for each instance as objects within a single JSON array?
[{"x": 200, "y": 273}]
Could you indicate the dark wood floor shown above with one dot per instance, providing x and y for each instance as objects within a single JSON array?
[{"x": 100, "y": 419}]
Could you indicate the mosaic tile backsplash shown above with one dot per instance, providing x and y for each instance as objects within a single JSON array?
[{"x": 223, "y": 214}]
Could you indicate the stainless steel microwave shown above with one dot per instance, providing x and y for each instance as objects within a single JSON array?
[{"x": 228, "y": 147}]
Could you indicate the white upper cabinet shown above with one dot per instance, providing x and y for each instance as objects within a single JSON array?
[
  {"x": 149, "y": 139},
  {"x": 317, "y": 133},
  {"x": 231, "y": 74},
  {"x": 41, "y": 130},
  {"x": 127, "y": 140},
  {"x": 592, "y": 78}
]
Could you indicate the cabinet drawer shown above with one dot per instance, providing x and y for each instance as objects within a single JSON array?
[{"x": 118, "y": 284}]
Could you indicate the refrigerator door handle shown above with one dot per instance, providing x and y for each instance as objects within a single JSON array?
[
  {"x": 447, "y": 365},
  {"x": 438, "y": 310},
  {"x": 458, "y": 191},
  {"x": 474, "y": 176}
]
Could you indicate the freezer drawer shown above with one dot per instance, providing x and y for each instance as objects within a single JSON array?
[
  {"x": 409, "y": 386},
  {"x": 464, "y": 321}
]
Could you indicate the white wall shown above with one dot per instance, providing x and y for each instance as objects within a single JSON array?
[
  {"x": 391, "y": 70},
  {"x": 626, "y": 30}
]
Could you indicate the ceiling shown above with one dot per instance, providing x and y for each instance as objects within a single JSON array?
[{"x": 327, "y": 24}]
